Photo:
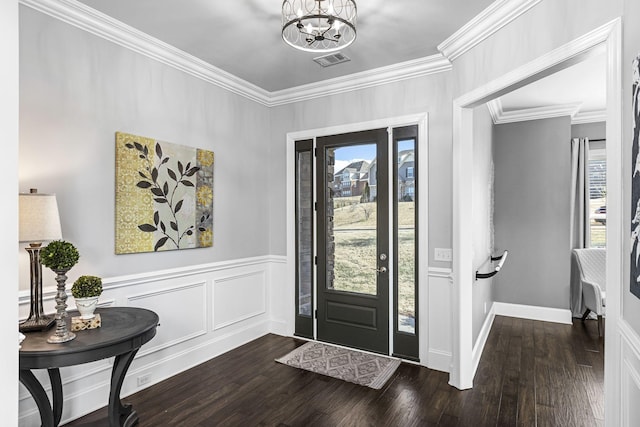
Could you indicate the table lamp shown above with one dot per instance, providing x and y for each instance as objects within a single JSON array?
[{"x": 39, "y": 222}]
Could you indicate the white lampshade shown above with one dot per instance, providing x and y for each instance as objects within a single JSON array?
[{"x": 39, "y": 218}]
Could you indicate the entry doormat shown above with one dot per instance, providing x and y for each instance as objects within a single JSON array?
[{"x": 345, "y": 364}]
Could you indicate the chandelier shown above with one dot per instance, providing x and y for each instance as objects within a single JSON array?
[{"x": 319, "y": 25}]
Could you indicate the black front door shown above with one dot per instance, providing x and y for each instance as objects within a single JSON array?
[{"x": 353, "y": 240}]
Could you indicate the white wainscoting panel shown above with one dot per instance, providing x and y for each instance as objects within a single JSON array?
[
  {"x": 204, "y": 310},
  {"x": 181, "y": 308},
  {"x": 228, "y": 308},
  {"x": 439, "y": 312},
  {"x": 281, "y": 297},
  {"x": 630, "y": 367}
]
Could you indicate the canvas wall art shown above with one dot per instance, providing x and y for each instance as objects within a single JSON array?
[
  {"x": 635, "y": 182},
  {"x": 164, "y": 195}
]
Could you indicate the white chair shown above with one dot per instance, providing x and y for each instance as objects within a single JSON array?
[{"x": 593, "y": 271}]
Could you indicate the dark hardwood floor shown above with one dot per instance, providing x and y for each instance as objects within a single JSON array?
[{"x": 531, "y": 374}]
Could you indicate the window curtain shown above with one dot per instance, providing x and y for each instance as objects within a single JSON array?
[{"x": 579, "y": 211}]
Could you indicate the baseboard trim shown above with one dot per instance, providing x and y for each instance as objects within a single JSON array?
[
  {"x": 532, "y": 312},
  {"x": 280, "y": 327},
  {"x": 439, "y": 360},
  {"x": 481, "y": 341}
]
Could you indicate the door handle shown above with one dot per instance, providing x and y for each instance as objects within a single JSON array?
[{"x": 381, "y": 270}]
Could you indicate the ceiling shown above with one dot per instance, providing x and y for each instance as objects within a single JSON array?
[
  {"x": 579, "y": 89},
  {"x": 242, "y": 37}
]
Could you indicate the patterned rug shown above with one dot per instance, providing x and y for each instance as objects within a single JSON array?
[{"x": 349, "y": 365}]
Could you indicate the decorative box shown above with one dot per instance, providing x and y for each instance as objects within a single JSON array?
[{"x": 79, "y": 324}]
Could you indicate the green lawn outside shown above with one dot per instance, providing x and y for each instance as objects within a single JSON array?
[
  {"x": 355, "y": 215},
  {"x": 356, "y": 257},
  {"x": 355, "y": 265}
]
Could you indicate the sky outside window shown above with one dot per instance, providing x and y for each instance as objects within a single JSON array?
[{"x": 353, "y": 153}]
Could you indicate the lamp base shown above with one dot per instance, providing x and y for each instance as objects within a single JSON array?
[{"x": 37, "y": 324}]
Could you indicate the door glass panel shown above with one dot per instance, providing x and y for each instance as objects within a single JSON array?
[
  {"x": 351, "y": 223},
  {"x": 304, "y": 242},
  {"x": 406, "y": 212}
]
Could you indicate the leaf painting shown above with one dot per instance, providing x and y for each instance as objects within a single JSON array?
[{"x": 164, "y": 195}]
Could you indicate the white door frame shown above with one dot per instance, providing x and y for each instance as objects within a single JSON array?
[
  {"x": 423, "y": 164},
  {"x": 605, "y": 38}
]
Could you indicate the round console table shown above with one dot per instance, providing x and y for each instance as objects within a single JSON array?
[{"x": 124, "y": 330}]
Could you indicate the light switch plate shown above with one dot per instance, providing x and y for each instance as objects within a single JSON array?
[{"x": 442, "y": 254}]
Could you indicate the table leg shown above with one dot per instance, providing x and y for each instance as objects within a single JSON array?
[
  {"x": 39, "y": 395},
  {"x": 56, "y": 391},
  {"x": 120, "y": 415}
]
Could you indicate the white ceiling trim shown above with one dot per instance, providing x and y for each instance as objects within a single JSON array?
[
  {"x": 375, "y": 77},
  {"x": 500, "y": 117},
  {"x": 495, "y": 109},
  {"x": 589, "y": 117},
  {"x": 577, "y": 117},
  {"x": 97, "y": 23},
  {"x": 490, "y": 20}
]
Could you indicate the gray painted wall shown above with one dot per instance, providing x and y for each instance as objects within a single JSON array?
[
  {"x": 532, "y": 180},
  {"x": 482, "y": 214},
  {"x": 431, "y": 94},
  {"x": 77, "y": 90},
  {"x": 589, "y": 130}
]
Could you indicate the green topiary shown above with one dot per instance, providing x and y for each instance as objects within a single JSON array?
[
  {"x": 59, "y": 255},
  {"x": 86, "y": 287}
]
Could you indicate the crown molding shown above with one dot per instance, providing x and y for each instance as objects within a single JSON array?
[
  {"x": 495, "y": 109},
  {"x": 99, "y": 24},
  {"x": 490, "y": 20},
  {"x": 500, "y": 116},
  {"x": 369, "y": 78},
  {"x": 581, "y": 118}
]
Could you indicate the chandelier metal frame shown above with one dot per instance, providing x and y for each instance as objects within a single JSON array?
[{"x": 319, "y": 25}]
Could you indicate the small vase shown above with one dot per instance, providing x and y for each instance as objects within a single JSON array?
[{"x": 86, "y": 307}]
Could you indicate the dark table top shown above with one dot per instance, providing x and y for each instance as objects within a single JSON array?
[{"x": 123, "y": 329}]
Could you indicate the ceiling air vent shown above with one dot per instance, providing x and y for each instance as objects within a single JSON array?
[{"x": 332, "y": 59}]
